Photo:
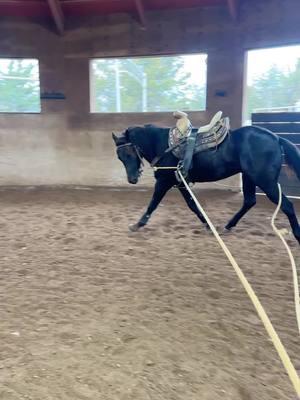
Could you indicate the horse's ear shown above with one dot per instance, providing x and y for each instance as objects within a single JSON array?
[
  {"x": 115, "y": 138},
  {"x": 127, "y": 134}
]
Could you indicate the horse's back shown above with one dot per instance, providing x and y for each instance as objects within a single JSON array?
[{"x": 248, "y": 149}]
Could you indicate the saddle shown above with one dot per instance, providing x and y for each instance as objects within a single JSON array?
[{"x": 207, "y": 137}]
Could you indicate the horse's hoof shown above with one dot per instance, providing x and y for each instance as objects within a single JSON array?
[
  {"x": 227, "y": 231},
  {"x": 134, "y": 227}
]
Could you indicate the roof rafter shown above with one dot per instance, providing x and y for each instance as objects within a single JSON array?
[
  {"x": 57, "y": 15},
  {"x": 233, "y": 8},
  {"x": 139, "y": 5}
]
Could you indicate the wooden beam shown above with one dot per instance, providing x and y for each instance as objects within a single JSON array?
[
  {"x": 233, "y": 8},
  {"x": 57, "y": 15},
  {"x": 29, "y": 8},
  {"x": 19, "y": 2},
  {"x": 140, "y": 9}
]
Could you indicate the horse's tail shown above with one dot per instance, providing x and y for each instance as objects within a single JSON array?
[{"x": 292, "y": 155}]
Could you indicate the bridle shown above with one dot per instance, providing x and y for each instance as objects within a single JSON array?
[{"x": 137, "y": 152}]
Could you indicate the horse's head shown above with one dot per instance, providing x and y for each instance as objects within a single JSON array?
[{"x": 130, "y": 156}]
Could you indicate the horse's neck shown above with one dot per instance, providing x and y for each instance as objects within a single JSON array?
[{"x": 150, "y": 141}]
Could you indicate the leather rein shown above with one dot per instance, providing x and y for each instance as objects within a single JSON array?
[{"x": 157, "y": 158}]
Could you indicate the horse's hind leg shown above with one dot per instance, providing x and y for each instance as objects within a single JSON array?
[
  {"x": 249, "y": 201},
  {"x": 287, "y": 207}
]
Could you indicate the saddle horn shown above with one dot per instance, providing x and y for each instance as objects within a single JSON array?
[
  {"x": 183, "y": 123},
  {"x": 179, "y": 114}
]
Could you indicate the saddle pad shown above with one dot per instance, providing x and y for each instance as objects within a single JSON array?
[{"x": 204, "y": 141}]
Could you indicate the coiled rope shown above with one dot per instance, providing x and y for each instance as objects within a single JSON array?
[{"x": 294, "y": 268}]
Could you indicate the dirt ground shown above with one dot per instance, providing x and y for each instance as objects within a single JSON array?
[{"x": 91, "y": 311}]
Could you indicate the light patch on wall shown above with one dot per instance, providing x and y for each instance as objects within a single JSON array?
[
  {"x": 148, "y": 84},
  {"x": 272, "y": 81},
  {"x": 19, "y": 86}
]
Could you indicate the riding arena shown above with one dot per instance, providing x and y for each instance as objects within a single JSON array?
[{"x": 149, "y": 193}]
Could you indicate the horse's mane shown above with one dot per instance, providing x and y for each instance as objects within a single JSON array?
[
  {"x": 155, "y": 126},
  {"x": 146, "y": 126},
  {"x": 162, "y": 127}
]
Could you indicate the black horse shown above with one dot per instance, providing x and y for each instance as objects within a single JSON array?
[{"x": 255, "y": 152}]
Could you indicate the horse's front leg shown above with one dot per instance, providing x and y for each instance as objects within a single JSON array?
[
  {"x": 161, "y": 188},
  {"x": 191, "y": 204}
]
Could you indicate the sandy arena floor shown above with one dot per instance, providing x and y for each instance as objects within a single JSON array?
[{"x": 89, "y": 311}]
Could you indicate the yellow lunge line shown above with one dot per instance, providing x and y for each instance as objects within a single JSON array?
[{"x": 289, "y": 367}]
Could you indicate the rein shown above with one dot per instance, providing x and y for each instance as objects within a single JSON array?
[
  {"x": 157, "y": 158},
  {"x": 137, "y": 152},
  {"x": 168, "y": 150}
]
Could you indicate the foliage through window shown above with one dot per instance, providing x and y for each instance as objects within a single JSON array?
[
  {"x": 19, "y": 86},
  {"x": 273, "y": 80},
  {"x": 148, "y": 84}
]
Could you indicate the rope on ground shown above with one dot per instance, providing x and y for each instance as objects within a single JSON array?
[
  {"x": 289, "y": 367},
  {"x": 294, "y": 268}
]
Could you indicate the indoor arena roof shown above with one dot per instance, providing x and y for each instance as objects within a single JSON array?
[{"x": 59, "y": 10}]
